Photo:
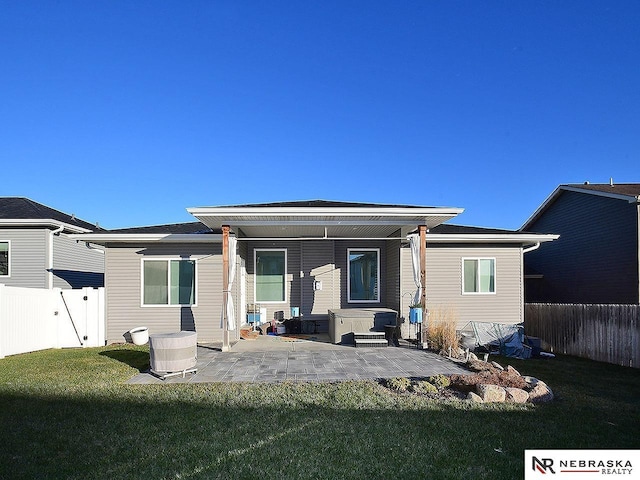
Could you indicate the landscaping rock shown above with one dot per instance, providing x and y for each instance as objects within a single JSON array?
[
  {"x": 516, "y": 395},
  {"x": 541, "y": 393},
  {"x": 497, "y": 365},
  {"x": 491, "y": 393},
  {"x": 509, "y": 379},
  {"x": 530, "y": 381},
  {"x": 480, "y": 366},
  {"x": 513, "y": 371},
  {"x": 475, "y": 398}
]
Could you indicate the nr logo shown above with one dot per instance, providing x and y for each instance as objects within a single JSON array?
[{"x": 542, "y": 465}]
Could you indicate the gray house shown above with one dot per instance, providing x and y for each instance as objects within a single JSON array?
[
  {"x": 596, "y": 259},
  {"x": 36, "y": 251},
  {"x": 315, "y": 256}
]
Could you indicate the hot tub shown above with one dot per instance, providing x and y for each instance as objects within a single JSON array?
[{"x": 344, "y": 322}]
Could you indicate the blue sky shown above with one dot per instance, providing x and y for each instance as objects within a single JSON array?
[{"x": 128, "y": 112}]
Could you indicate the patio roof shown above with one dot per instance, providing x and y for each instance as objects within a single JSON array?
[{"x": 322, "y": 219}]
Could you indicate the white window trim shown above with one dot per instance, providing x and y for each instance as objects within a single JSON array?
[
  {"x": 255, "y": 275},
  {"x": 349, "y": 250},
  {"x": 168, "y": 260},
  {"x": 8, "y": 275},
  {"x": 495, "y": 275}
]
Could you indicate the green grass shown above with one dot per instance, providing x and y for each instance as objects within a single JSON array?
[{"x": 68, "y": 414}]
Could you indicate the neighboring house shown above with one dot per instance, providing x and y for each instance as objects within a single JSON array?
[
  {"x": 36, "y": 251},
  {"x": 315, "y": 255},
  {"x": 596, "y": 259}
]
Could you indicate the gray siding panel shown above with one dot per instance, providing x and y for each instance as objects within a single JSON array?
[
  {"x": 595, "y": 260},
  {"x": 27, "y": 256},
  {"x": 75, "y": 264},
  {"x": 123, "y": 292},
  {"x": 444, "y": 283},
  {"x": 318, "y": 265},
  {"x": 391, "y": 277}
]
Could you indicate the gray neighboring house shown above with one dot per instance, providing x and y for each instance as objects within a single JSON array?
[
  {"x": 596, "y": 259},
  {"x": 36, "y": 251},
  {"x": 316, "y": 255}
]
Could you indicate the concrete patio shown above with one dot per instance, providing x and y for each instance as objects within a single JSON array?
[{"x": 276, "y": 359}]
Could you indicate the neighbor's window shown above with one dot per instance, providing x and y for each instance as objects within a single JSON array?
[
  {"x": 4, "y": 259},
  {"x": 479, "y": 275},
  {"x": 364, "y": 275},
  {"x": 270, "y": 275},
  {"x": 169, "y": 282}
]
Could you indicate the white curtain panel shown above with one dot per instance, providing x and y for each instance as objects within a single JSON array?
[
  {"x": 414, "y": 242},
  {"x": 231, "y": 311}
]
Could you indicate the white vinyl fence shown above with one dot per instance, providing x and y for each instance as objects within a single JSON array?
[{"x": 36, "y": 319}]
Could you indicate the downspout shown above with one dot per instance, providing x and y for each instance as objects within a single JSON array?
[
  {"x": 525, "y": 250},
  {"x": 57, "y": 231}
]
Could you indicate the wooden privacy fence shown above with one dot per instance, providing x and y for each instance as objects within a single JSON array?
[{"x": 607, "y": 333}]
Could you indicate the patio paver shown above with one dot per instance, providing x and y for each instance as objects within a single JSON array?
[{"x": 271, "y": 360}]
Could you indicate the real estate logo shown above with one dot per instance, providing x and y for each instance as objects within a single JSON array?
[{"x": 581, "y": 464}]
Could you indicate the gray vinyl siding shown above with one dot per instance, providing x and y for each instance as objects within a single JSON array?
[
  {"x": 318, "y": 265},
  {"x": 444, "y": 283},
  {"x": 391, "y": 279},
  {"x": 75, "y": 265},
  {"x": 123, "y": 292},
  {"x": 28, "y": 257},
  {"x": 595, "y": 260}
]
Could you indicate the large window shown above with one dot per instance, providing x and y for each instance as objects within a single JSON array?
[
  {"x": 364, "y": 275},
  {"x": 169, "y": 282},
  {"x": 479, "y": 275},
  {"x": 270, "y": 275},
  {"x": 4, "y": 259}
]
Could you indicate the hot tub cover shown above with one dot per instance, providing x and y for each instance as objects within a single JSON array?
[{"x": 173, "y": 352}]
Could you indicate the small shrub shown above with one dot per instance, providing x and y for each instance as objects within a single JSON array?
[
  {"x": 423, "y": 387},
  {"x": 399, "y": 384},
  {"x": 439, "y": 381}
]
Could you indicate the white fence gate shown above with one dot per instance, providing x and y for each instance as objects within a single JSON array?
[{"x": 36, "y": 319}]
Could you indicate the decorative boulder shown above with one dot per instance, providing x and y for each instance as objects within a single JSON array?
[
  {"x": 540, "y": 393},
  {"x": 474, "y": 398},
  {"x": 516, "y": 395},
  {"x": 491, "y": 393}
]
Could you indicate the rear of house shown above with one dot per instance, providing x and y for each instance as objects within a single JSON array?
[{"x": 317, "y": 256}]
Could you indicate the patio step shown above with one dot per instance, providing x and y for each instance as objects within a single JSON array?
[
  {"x": 371, "y": 342},
  {"x": 370, "y": 339}
]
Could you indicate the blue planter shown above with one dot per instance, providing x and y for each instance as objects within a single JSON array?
[{"x": 415, "y": 315}]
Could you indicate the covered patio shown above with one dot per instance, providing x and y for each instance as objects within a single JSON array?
[{"x": 318, "y": 256}]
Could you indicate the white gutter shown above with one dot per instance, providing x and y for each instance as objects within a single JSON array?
[
  {"x": 50, "y": 254},
  {"x": 21, "y": 222},
  {"x": 101, "y": 238},
  {"x": 491, "y": 238}
]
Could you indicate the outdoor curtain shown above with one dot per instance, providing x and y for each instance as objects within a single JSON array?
[
  {"x": 414, "y": 242},
  {"x": 231, "y": 311}
]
